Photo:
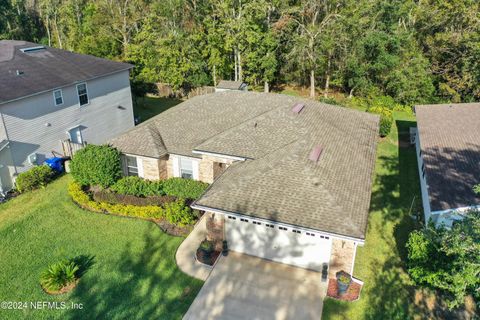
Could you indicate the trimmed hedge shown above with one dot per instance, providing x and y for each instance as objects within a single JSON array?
[
  {"x": 175, "y": 212},
  {"x": 184, "y": 188},
  {"x": 135, "y": 186},
  {"x": 176, "y": 187},
  {"x": 36, "y": 177},
  {"x": 386, "y": 119},
  {"x": 96, "y": 165}
]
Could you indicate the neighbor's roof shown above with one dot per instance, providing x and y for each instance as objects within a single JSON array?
[
  {"x": 232, "y": 85},
  {"x": 278, "y": 181},
  {"x": 46, "y": 69},
  {"x": 450, "y": 143}
]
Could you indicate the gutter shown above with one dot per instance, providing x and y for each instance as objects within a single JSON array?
[{"x": 196, "y": 206}]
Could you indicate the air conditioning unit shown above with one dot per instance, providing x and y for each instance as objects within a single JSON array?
[{"x": 32, "y": 158}]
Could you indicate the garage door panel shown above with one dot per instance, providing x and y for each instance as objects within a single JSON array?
[{"x": 283, "y": 246}]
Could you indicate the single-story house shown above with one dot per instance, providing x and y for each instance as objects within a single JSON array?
[
  {"x": 50, "y": 98},
  {"x": 227, "y": 85},
  {"x": 448, "y": 153},
  {"x": 290, "y": 178}
]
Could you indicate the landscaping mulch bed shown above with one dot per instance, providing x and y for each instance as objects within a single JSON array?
[
  {"x": 352, "y": 294},
  {"x": 63, "y": 290},
  {"x": 207, "y": 258},
  {"x": 172, "y": 229}
]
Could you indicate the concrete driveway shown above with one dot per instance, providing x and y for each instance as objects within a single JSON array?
[{"x": 245, "y": 287}]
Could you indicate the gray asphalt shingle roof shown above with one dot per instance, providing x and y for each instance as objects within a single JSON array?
[
  {"x": 278, "y": 182},
  {"x": 231, "y": 85},
  {"x": 450, "y": 144},
  {"x": 46, "y": 69}
]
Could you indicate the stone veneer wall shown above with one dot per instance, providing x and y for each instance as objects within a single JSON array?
[
  {"x": 342, "y": 257},
  {"x": 215, "y": 224},
  {"x": 154, "y": 169},
  {"x": 208, "y": 169}
]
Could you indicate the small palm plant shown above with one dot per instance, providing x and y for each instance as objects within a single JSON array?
[{"x": 59, "y": 275}]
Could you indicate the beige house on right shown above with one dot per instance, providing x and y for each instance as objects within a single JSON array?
[
  {"x": 290, "y": 179},
  {"x": 448, "y": 153}
]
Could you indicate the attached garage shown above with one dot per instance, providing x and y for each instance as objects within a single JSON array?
[{"x": 297, "y": 247}]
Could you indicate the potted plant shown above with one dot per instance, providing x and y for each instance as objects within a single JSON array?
[
  {"x": 225, "y": 248},
  {"x": 343, "y": 282}
]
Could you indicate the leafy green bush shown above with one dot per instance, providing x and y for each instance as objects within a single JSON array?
[
  {"x": 207, "y": 246},
  {"x": 178, "y": 213},
  {"x": 184, "y": 188},
  {"x": 176, "y": 187},
  {"x": 34, "y": 178},
  {"x": 386, "y": 119},
  {"x": 96, "y": 165},
  {"x": 138, "y": 187},
  {"x": 59, "y": 275}
]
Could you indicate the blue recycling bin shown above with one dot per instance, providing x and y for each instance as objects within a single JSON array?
[{"x": 55, "y": 163}]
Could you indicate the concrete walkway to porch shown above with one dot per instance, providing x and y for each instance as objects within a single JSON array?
[{"x": 185, "y": 255}]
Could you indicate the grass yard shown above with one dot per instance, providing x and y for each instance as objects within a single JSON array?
[
  {"x": 134, "y": 275},
  {"x": 388, "y": 292},
  {"x": 148, "y": 107}
]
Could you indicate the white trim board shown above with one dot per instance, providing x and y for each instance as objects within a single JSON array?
[{"x": 290, "y": 226}]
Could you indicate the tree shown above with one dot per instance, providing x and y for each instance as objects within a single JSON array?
[
  {"x": 448, "y": 260},
  {"x": 311, "y": 18}
]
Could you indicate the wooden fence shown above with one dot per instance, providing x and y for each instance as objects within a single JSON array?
[{"x": 70, "y": 148}]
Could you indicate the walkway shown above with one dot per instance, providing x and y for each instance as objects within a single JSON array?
[{"x": 185, "y": 255}]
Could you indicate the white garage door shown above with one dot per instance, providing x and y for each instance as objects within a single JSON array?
[{"x": 286, "y": 245}]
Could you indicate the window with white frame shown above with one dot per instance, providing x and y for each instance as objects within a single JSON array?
[
  {"x": 82, "y": 94},
  {"x": 131, "y": 165},
  {"x": 58, "y": 97},
  {"x": 186, "y": 168}
]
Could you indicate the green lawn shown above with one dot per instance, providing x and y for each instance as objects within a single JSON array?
[
  {"x": 147, "y": 107},
  {"x": 134, "y": 275},
  {"x": 388, "y": 293}
]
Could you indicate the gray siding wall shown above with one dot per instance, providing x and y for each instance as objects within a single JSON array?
[
  {"x": 423, "y": 181},
  {"x": 35, "y": 125}
]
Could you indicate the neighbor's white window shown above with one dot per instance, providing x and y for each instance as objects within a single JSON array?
[
  {"x": 58, "y": 97},
  {"x": 186, "y": 168},
  {"x": 132, "y": 166},
  {"x": 82, "y": 94}
]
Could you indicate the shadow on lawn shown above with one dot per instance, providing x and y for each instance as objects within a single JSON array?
[
  {"x": 396, "y": 195},
  {"x": 146, "y": 284}
]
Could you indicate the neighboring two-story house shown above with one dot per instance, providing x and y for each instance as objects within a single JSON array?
[
  {"x": 48, "y": 95},
  {"x": 448, "y": 154},
  {"x": 290, "y": 178}
]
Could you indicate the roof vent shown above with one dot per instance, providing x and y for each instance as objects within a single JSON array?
[
  {"x": 19, "y": 72},
  {"x": 298, "y": 107},
  {"x": 32, "y": 49},
  {"x": 316, "y": 153}
]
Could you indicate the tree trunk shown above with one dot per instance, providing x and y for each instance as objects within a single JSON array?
[
  {"x": 350, "y": 95},
  {"x": 312, "y": 83},
  {"x": 266, "y": 87},
  {"x": 214, "y": 75},
  {"x": 235, "y": 58},
  {"x": 327, "y": 78},
  {"x": 240, "y": 76}
]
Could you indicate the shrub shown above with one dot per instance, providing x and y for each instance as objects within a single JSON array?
[
  {"x": 34, "y": 178},
  {"x": 386, "y": 119},
  {"x": 96, "y": 165},
  {"x": 138, "y": 187},
  {"x": 178, "y": 213},
  {"x": 59, "y": 275},
  {"x": 207, "y": 246},
  {"x": 184, "y": 188}
]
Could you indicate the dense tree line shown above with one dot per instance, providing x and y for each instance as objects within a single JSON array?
[{"x": 413, "y": 51}]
